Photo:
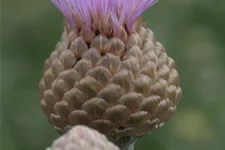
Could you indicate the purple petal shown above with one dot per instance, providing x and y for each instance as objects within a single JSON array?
[{"x": 119, "y": 12}]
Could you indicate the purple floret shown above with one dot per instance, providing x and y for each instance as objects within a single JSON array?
[{"x": 117, "y": 12}]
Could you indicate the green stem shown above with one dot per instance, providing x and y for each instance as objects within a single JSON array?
[
  {"x": 130, "y": 147},
  {"x": 125, "y": 143}
]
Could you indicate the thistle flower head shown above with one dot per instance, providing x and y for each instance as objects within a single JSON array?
[
  {"x": 108, "y": 72},
  {"x": 102, "y": 13},
  {"x": 82, "y": 138}
]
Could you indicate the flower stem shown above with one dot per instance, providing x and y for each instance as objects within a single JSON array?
[
  {"x": 130, "y": 147},
  {"x": 125, "y": 143}
]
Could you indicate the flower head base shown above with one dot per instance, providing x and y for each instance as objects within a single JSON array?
[{"x": 102, "y": 15}]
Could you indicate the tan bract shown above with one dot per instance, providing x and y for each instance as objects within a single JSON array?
[{"x": 122, "y": 85}]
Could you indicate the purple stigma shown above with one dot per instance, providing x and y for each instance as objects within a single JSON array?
[{"x": 116, "y": 12}]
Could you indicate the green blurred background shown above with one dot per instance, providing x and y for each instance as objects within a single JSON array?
[{"x": 193, "y": 32}]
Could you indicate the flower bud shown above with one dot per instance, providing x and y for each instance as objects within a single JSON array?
[{"x": 82, "y": 138}]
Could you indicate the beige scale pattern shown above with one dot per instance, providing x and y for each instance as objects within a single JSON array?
[
  {"x": 82, "y": 138},
  {"x": 118, "y": 86}
]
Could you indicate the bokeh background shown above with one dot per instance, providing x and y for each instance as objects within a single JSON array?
[{"x": 191, "y": 30}]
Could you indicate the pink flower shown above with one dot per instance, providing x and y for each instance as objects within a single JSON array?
[{"x": 115, "y": 12}]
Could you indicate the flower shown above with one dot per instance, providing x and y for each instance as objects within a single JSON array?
[
  {"x": 108, "y": 72},
  {"x": 82, "y": 138},
  {"x": 108, "y": 12}
]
